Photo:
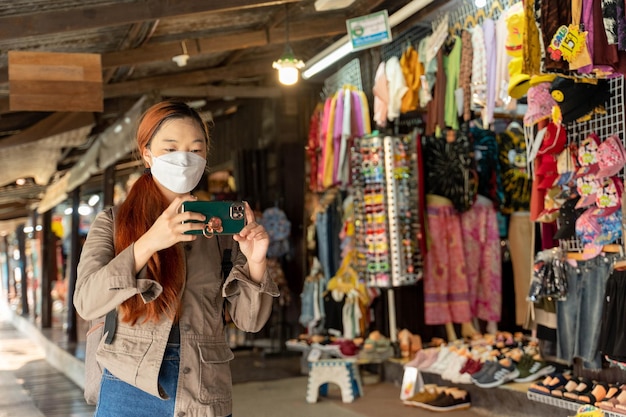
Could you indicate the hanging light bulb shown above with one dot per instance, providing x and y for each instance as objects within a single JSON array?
[{"x": 288, "y": 65}]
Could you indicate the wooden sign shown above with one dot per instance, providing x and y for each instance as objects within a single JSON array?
[{"x": 51, "y": 81}]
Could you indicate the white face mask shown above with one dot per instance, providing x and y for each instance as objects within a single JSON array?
[{"x": 179, "y": 172}]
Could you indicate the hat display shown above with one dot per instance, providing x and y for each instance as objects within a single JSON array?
[
  {"x": 587, "y": 188},
  {"x": 551, "y": 206},
  {"x": 588, "y": 155},
  {"x": 568, "y": 213},
  {"x": 609, "y": 196},
  {"x": 542, "y": 78},
  {"x": 540, "y": 103},
  {"x": 611, "y": 157},
  {"x": 545, "y": 171},
  {"x": 578, "y": 98},
  {"x": 565, "y": 167},
  {"x": 554, "y": 140},
  {"x": 518, "y": 82}
]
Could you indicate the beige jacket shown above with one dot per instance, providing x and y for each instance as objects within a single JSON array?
[{"x": 204, "y": 382}]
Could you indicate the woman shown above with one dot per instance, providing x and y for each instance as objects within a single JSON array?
[{"x": 169, "y": 355}]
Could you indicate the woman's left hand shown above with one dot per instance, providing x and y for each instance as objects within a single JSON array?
[{"x": 253, "y": 239}]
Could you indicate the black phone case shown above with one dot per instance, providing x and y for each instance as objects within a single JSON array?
[{"x": 231, "y": 215}]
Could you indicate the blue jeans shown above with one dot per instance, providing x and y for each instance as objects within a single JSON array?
[
  {"x": 579, "y": 317},
  {"x": 117, "y": 398}
]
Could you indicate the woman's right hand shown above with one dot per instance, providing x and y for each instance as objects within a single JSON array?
[{"x": 168, "y": 229}]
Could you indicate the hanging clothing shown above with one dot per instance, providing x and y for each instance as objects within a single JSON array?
[
  {"x": 446, "y": 294},
  {"x": 579, "y": 316},
  {"x": 481, "y": 245},
  {"x": 397, "y": 87},
  {"x": 521, "y": 248},
  {"x": 430, "y": 71},
  {"x": 554, "y": 14},
  {"x": 381, "y": 96},
  {"x": 532, "y": 51},
  {"x": 313, "y": 149},
  {"x": 412, "y": 70},
  {"x": 502, "y": 59},
  {"x": 489, "y": 31},
  {"x": 465, "y": 74},
  {"x": 328, "y": 150},
  {"x": 452, "y": 66},
  {"x": 479, "y": 67},
  {"x": 436, "y": 107}
]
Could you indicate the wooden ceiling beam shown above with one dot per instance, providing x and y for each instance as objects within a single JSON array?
[
  {"x": 198, "y": 77},
  {"x": 208, "y": 91},
  {"x": 314, "y": 28},
  {"x": 92, "y": 17}
]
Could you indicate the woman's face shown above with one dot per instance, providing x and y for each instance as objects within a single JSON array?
[{"x": 182, "y": 135}]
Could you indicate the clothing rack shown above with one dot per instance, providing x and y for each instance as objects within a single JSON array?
[{"x": 411, "y": 36}]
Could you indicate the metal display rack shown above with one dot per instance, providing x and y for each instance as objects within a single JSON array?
[
  {"x": 567, "y": 405},
  {"x": 403, "y": 257},
  {"x": 349, "y": 74},
  {"x": 612, "y": 122}
]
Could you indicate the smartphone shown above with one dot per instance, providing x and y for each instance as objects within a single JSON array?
[{"x": 222, "y": 217}]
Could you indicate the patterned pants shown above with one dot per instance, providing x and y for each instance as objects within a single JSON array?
[
  {"x": 483, "y": 264},
  {"x": 446, "y": 297}
]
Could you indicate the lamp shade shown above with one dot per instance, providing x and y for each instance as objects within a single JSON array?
[{"x": 288, "y": 67}]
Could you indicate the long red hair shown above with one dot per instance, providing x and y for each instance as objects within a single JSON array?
[{"x": 143, "y": 205}]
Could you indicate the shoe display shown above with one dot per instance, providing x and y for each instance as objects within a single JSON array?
[
  {"x": 531, "y": 369},
  {"x": 449, "y": 401},
  {"x": 497, "y": 374}
]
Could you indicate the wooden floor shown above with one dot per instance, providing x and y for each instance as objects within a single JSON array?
[{"x": 52, "y": 392}]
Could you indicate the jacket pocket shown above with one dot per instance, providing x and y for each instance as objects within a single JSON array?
[
  {"x": 124, "y": 357},
  {"x": 215, "y": 377}
]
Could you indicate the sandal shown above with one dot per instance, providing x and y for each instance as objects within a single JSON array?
[
  {"x": 584, "y": 386},
  {"x": 615, "y": 404},
  {"x": 611, "y": 393},
  {"x": 568, "y": 387},
  {"x": 597, "y": 393},
  {"x": 550, "y": 383}
]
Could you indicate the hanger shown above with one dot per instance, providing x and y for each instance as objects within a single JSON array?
[
  {"x": 480, "y": 15},
  {"x": 456, "y": 28},
  {"x": 470, "y": 22},
  {"x": 495, "y": 6}
]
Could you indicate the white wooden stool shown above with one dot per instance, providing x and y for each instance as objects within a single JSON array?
[{"x": 344, "y": 373}]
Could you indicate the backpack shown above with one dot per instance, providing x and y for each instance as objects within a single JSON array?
[{"x": 105, "y": 327}]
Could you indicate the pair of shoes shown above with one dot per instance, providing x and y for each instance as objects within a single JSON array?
[
  {"x": 584, "y": 386},
  {"x": 596, "y": 394},
  {"x": 423, "y": 358},
  {"x": 471, "y": 367},
  {"x": 616, "y": 403},
  {"x": 550, "y": 383},
  {"x": 496, "y": 374},
  {"x": 531, "y": 369},
  {"x": 569, "y": 386},
  {"x": 430, "y": 392},
  {"x": 449, "y": 400},
  {"x": 410, "y": 343}
]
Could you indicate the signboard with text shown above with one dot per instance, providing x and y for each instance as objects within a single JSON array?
[{"x": 370, "y": 30}]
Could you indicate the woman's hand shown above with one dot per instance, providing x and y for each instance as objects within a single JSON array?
[
  {"x": 167, "y": 230},
  {"x": 253, "y": 243}
]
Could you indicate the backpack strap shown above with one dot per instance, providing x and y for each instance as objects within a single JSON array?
[
  {"x": 225, "y": 245},
  {"x": 110, "y": 320}
]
